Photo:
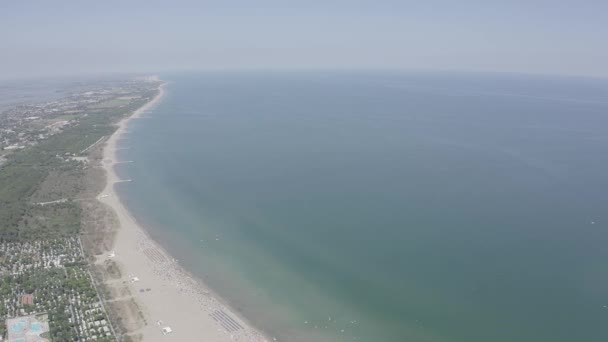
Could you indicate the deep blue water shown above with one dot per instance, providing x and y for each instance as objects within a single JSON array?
[{"x": 385, "y": 207}]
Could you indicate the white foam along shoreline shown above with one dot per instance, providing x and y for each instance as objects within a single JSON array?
[{"x": 175, "y": 298}]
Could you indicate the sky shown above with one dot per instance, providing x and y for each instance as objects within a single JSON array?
[{"x": 47, "y": 38}]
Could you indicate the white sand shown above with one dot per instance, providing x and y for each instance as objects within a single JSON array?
[{"x": 175, "y": 298}]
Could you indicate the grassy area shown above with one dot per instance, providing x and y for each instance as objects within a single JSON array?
[
  {"x": 65, "y": 117},
  {"x": 50, "y": 221},
  {"x": 65, "y": 182},
  {"x": 112, "y": 103},
  {"x": 36, "y": 173}
]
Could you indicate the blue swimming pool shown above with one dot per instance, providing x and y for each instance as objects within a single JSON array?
[
  {"x": 18, "y": 327},
  {"x": 36, "y": 328}
]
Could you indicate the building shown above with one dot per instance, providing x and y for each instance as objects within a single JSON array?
[{"x": 27, "y": 299}]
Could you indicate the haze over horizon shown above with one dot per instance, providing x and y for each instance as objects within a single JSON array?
[
  {"x": 304, "y": 171},
  {"x": 71, "y": 37}
]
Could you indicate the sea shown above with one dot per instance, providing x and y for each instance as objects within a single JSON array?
[{"x": 384, "y": 206}]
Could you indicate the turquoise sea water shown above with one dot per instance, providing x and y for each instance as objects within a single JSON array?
[{"x": 384, "y": 207}]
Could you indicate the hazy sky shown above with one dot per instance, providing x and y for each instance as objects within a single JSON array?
[{"x": 67, "y": 37}]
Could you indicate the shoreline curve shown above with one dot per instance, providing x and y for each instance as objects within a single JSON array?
[{"x": 175, "y": 298}]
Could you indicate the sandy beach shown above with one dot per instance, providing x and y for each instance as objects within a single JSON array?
[{"x": 167, "y": 295}]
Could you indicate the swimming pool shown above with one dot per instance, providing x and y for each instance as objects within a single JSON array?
[
  {"x": 18, "y": 327},
  {"x": 36, "y": 328}
]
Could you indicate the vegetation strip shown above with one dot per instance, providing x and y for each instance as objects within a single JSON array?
[{"x": 49, "y": 220}]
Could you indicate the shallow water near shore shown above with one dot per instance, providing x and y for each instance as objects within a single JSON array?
[{"x": 384, "y": 207}]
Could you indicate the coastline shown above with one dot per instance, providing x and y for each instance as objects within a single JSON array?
[{"x": 165, "y": 293}]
